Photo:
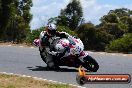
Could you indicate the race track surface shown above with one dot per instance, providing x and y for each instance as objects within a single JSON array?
[{"x": 27, "y": 61}]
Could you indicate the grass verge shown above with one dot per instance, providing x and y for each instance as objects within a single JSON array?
[{"x": 14, "y": 81}]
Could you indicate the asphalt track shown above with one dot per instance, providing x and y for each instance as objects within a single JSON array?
[{"x": 26, "y": 61}]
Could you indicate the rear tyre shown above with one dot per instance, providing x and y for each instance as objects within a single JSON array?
[{"x": 90, "y": 64}]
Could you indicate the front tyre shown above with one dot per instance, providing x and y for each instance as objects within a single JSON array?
[{"x": 90, "y": 64}]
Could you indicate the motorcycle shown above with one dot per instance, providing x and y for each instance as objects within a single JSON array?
[{"x": 74, "y": 54}]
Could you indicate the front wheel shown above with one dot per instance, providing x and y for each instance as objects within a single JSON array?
[{"x": 90, "y": 64}]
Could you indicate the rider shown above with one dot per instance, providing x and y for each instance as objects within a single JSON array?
[{"x": 46, "y": 39}]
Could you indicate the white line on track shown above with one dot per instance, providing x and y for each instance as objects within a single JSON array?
[
  {"x": 113, "y": 54},
  {"x": 37, "y": 78},
  {"x": 102, "y": 53},
  {"x": 21, "y": 46},
  {"x": 124, "y": 55},
  {"x": 9, "y": 45},
  {"x": 32, "y": 47}
]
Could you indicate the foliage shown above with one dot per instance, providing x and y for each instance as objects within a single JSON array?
[
  {"x": 34, "y": 34},
  {"x": 87, "y": 34},
  {"x": 113, "y": 25},
  {"x": 0, "y": 17},
  {"x": 113, "y": 29},
  {"x": 127, "y": 22},
  {"x": 71, "y": 16},
  {"x": 15, "y": 18},
  {"x": 93, "y": 38},
  {"x": 121, "y": 12},
  {"x": 120, "y": 19},
  {"x": 102, "y": 39},
  {"x": 66, "y": 29},
  {"x": 109, "y": 18},
  {"x": 123, "y": 44}
]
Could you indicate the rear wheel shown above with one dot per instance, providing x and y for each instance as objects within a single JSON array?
[{"x": 90, "y": 64}]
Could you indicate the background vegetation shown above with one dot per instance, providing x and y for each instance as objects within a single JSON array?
[
  {"x": 113, "y": 34},
  {"x": 14, "y": 19}
]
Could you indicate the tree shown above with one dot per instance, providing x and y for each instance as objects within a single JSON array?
[
  {"x": 87, "y": 34},
  {"x": 123, "y": 44},
  {"x": 117, "y": 22},
  {"x": 15, "y": 19},
  {"x": 72, "y": 15},
  {"x": 121, "y": 12},
  {"x": 25, "y": 6},
  {"x": 33, "y": 35},
  {"x": 113, "y": 29},
  {"x": 0, "y": 18},
  {"x": 102, "y": 39},
  {"x": 24, "y": 18},
  {"x": 121, "y": 17},
  {"x": 5, "y": 16},
  {"x": 93, "y": 38},
  {"x": 109, "y": 18},
  {"x": 11, "y": 32},
  {"x": 127, "y": 22},
  {"x": 124, "y": 16}
]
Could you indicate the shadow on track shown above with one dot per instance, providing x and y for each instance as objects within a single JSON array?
[{"x": 40, "y": 68}]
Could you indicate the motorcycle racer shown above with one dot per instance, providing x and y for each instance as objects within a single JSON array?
[
  {"x": 46, "y": 44},
  {"x": 61, "y": 49}
]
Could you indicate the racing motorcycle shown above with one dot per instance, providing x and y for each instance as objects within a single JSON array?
[{"x": 73, "y": 53}]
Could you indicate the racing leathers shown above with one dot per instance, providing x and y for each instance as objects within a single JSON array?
[{"x": 46, "y": 47}]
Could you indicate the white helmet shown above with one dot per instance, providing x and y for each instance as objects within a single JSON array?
[{"x": 51, "y": 29}]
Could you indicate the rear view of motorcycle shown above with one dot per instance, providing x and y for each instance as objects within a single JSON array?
[{"x": 74, "y": 55}]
